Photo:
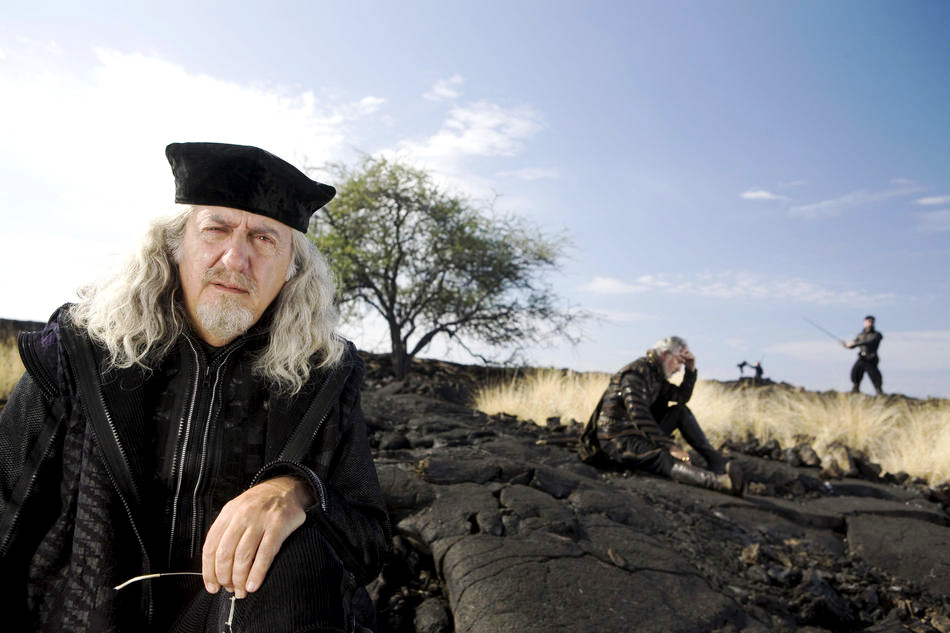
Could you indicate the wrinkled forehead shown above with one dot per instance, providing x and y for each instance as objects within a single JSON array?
[{"x": 236, "y": 217}]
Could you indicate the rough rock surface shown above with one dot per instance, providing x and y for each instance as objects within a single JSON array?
[{"x": 499, "y": 527}]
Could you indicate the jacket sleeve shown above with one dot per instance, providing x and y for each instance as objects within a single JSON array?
[
  {"x": 16, "y": 438},
  {"x": 635, "y": 391},
  {"x": 680, "y": 394},
  {"x": 350, "y": 509},
  {"x": 27, "y": 421},
  {"x": 28, "y": 436}
]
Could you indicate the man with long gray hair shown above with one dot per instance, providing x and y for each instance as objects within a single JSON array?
[
  {"x": 193, "y": 424},
  {"x": 632, "y": 425}
]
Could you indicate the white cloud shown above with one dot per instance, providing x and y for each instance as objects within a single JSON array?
[
  {"x": 760, "y": 194},
  {"x": 477, "y": 130},
  {"x": 934, "y": 221},
  {"x": 617, "y": 317},
  {"x": 903, "y": 181},
  {"x": 749, "y": 286},
  {"x": 934, "y": 200},
  {"x": 57, "y": 263},
  {"x": 38, "y": 47},
  {"x": 610, "y": 286},
  {"x": 837, "y": 206},
  {"x": 112, "y": 129},
  {"x": 93, "y": 144},
  {"x": 361, "y": 108},
  {"x": 530, "y": 173},
  {"x": 738, "y": 285},
  {"x": 480, "y": 129},
  {"x": 445, "y": 89},
  {"x": 654, "y": 281}
]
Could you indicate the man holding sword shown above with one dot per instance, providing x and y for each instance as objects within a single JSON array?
[{"x": 868, "y": 340}]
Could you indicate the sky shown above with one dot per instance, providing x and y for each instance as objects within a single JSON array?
[{"x": 723, "y": 170}]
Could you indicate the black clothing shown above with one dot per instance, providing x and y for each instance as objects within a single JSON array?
[
  {"x": 867, "y": 361},
  {"x": 634, "y": 452},
  {"x": 84, "y": 507},
  {"x": 634, "y": 420},
  {"x": 247, "y": 178},
  {"x": 868, "y": 342},
  {"x": 858, "y": 370}
]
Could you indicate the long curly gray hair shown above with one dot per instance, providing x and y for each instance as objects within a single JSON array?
[{"x": 135, "y": 311}]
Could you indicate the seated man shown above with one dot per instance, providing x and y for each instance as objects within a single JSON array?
[
  {"x": 633, "y": 423},
  {"x": 193, "y": 424}
]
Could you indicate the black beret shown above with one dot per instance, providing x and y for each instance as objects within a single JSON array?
[{"x": 246, "y": 178}]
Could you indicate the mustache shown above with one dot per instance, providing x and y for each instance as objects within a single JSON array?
[{"x": 233, "y": 278}]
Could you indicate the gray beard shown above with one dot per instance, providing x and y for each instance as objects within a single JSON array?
[{"x": 225, "y": 319}]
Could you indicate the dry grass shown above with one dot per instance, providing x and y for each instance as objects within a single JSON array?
[
  {"x": 10, "y": 366},
  {"x": 545, "y": 393},
  {"x": 913, "y": 436}
]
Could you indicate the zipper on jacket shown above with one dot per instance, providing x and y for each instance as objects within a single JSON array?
[
  {"x": 204, "y": 441},
  {"x": 178, "y": 465},
  {"x": 320, "y": 485},
  {"x": 128, "y": 510},
  {"x": 316, "y": 479},
  {"x": 188, "y": 460},
  {"x": 103, "y": 445}
]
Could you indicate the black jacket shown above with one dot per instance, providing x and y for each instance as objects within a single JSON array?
[
  {"x": 868, "y": 342},
  {"x": 78, "y": 497},
  {"x": 636, "y": 398}
]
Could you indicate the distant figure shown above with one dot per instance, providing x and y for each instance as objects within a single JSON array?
[
  {"x": 868, "y": 340},
  {"x": 632, "y": 425},
  {"x": 756, "y": 366}
]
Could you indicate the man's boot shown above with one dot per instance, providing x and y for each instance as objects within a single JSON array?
[
  {"x": 856, "y": 388},
  {"x": 694, "y": 436},
  {"x": 714, "y": 459},
  {"x": 730, "y": 482}
]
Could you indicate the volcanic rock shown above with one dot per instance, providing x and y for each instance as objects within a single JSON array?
[{"x": 500, "y": 527}]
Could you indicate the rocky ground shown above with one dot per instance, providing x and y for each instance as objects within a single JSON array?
[{"x": 499, "y": 527}]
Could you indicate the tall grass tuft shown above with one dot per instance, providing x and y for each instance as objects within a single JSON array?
[
  {"x": 899, "y": 434},
  {"x": 545, "y": 393}
]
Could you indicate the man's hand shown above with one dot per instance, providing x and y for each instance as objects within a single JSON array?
[
  {"x": 248, "y": 533},
  {"x": 679, "y": 453},
  {"x": 688, "y": 359}
]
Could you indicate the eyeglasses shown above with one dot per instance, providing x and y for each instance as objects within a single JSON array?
[{"x": 227, "y": 624}]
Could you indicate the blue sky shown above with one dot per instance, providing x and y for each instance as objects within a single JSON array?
[{"x": 722, "y": 169}]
